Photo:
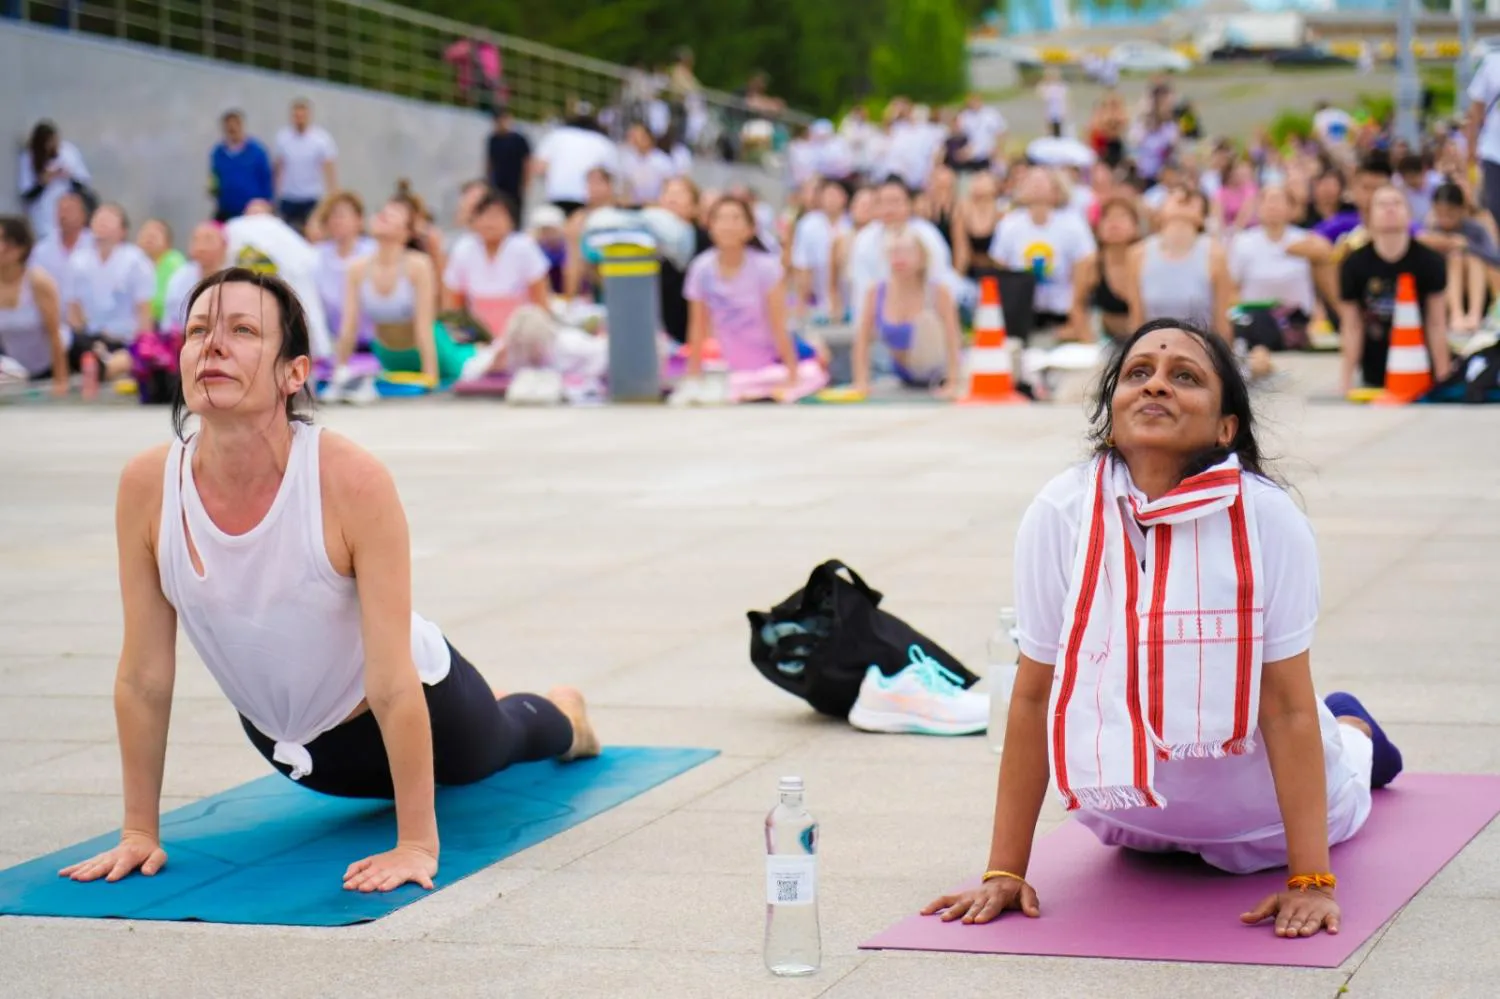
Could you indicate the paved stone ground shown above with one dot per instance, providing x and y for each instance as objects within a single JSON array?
[{"x": 619, "y": 549}]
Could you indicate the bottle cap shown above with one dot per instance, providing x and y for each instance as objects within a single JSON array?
[{"x": 789, "y": 785}]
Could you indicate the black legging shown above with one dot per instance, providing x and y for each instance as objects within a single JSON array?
[{"x": 473, "y": 736}]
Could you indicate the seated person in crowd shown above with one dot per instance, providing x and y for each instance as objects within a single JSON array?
[
  {"x": 737, "y": 298},
  {"x": 494, "y": 270},
  {"x": 1367, "y": 280},
  {"x": 914, "y": 319},
  {"x": 113, "y": 283},
  {"x": 341, "y": 218},
  {"x": 1452, "y": 227},
  {"x": 155, "y": 240},
  {"x": 31, "y": 341},
  {"x": 393, "y": 289}
]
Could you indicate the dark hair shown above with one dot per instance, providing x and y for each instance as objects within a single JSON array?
[
  {"x": 1378, "y": 163},
  {"x": 16, "y": 231},
  {"x": 296, "y": 340},
  {"x": 1410, "y": 163},
  {"x": 894, "y": 181},
  {"x": 1234, "y": 400},
  {"x": 43, "y": 137},
  {"x": 494, "y": 198},
  {"x": 1450, "y": 194},
  {"x": 234, "y": 113}
]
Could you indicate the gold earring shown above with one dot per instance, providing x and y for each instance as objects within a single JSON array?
[{"x": 1109, "y": 441}]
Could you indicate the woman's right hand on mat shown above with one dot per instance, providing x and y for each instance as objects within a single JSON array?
[
  {"x": 136, "y": 851},
  {"x": 982, "y": 904}
]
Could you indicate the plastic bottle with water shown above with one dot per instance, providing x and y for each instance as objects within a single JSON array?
[
  {"x": 1004, "y": 657},
  {"x": 793, "y": 941}
]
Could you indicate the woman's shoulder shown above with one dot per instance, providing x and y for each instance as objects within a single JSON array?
[
  {"x": 42, "y": 283},
  {"x": 1064, "y": 492},
  {"x": 1279, "y": 520},
  {"x": 417, "y": 262},
  {"x": 141, "y": 478},
  {"x": 347, "y": 472}
]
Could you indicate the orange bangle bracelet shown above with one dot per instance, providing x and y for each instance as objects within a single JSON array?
[{"x": 1302, "y": 882}]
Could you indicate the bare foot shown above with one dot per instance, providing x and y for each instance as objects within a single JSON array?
[
  {"x": 570, "y": 702},
  {"x": 1358, "y": 723}
]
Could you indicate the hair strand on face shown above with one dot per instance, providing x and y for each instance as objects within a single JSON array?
[{"x": 295, "y": 341}]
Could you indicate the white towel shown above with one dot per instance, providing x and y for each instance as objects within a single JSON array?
[{"x": 1162, "y": 648}]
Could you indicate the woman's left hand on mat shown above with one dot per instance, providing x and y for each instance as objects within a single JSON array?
[
  {"x": 1298, "y": 913},
  {"x": 392, "y": 869}
]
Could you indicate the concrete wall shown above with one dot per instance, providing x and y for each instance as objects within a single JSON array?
[{"x": 146, "y": 120}]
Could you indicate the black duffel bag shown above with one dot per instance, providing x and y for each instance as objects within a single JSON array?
[{"x": 819, "y": 642}]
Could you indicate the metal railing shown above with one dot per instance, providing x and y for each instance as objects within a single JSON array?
[{"x": 379, "y": 46}]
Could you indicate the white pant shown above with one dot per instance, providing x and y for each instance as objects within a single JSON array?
[{"x": 1268, "y": 849}]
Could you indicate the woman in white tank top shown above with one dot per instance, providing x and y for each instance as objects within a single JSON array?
[
  {"x": 284, "y": 554},
  {"x": 1181, "y": 272},
  {"x": 1167, "y": 597},
  {"x": 30, "y": 313}
]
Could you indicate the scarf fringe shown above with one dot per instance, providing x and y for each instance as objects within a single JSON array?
[
  {"x": 1109, "y": 799},
  {"x": 1206, "y": 750}
]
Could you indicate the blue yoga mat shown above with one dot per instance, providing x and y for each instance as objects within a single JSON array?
[{"x": 271, "y": 852}]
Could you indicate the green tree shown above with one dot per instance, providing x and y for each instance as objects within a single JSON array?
[
  {"x": 819, "y": 54},
  {"x": 922, "y": 53}
]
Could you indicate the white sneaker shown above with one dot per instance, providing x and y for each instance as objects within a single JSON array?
[
  {"x": 363, "y": 393},
  {"x": 535, "y": 387},
  {"x": 925, "y": 698}
]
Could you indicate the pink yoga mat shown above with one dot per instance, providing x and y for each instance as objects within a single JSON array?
[{"x": 1100, "y": 901}]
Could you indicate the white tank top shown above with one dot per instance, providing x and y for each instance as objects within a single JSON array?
[{"x": 277, "y": 627}]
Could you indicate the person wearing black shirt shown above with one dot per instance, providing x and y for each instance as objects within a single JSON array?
[
  {"x": 508, "y": 155},
  {"x": 1367, "y": 285}
]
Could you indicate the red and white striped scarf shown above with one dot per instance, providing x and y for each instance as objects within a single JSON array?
[{"x": 1163, "y": 662}]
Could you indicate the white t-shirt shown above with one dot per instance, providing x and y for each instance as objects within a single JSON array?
[
  {"x": 1484, "y": 88},
  {"x": 646, "y": 173},
  {"x": 510, "y": 273},
  {"x": 1055, "y": 99},
  {"x": 1050, "y": 250},
  {"x": 301, "y": 156},
  {"x": 1264, "y": 271},
  {"x": 111, "y": 291},
  {"x": 812, "y": 250},
  {"x": 1226, "y": 800},
  {"x": 570, "y": 153},
  {"x": 868, "y": 265},
  {"x": 42, "y": 212},
  {"x": 51, "y": 256},
  {"x": 832, "y": 157},
  {"x": 910, "y": 153},
  {"x": 982, "y": 127}
]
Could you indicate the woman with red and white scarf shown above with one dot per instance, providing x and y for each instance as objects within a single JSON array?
[{"x": 1167, "y": 593}]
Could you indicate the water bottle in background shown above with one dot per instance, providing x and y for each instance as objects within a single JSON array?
[
  {"x": 793, "y": 942},
  {"x": 1004, "y": 657},
  {"x": 89, "y": 365}
]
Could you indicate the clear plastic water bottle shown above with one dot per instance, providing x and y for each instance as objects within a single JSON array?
[
  {"x": 1004, "y": 657},
  {"x": 793, "y": 941}
]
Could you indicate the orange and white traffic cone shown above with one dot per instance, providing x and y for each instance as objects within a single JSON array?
[
  {"x": 990, "y": 379},
  {"x": 1408, "y": 369}
]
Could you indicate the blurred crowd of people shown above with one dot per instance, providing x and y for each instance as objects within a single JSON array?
[{"x": 868, "y": 272}]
